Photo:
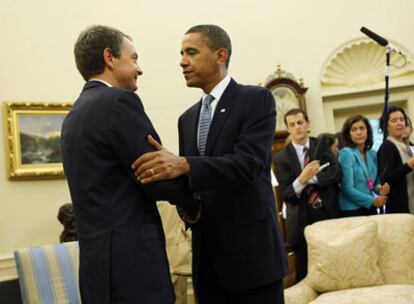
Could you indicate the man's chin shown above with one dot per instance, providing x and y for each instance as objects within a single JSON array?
[
  {"x": 134, "y": 87},
  {"x": 190, "y": 84}
]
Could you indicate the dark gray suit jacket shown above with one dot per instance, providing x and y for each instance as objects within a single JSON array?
[
  {"x": 238, "y": 224},
  {"x": 287, "y": 170},
  {"x": 122, "y": 244}
]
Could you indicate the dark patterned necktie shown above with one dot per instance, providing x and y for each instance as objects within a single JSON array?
[
  {"x": 314, "y": 200},
  {"x": 306, "y": 160},
  {"x": 204, "y": 123}
]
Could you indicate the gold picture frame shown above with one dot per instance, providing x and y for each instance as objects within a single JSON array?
[{"x": 32, "y": 137}]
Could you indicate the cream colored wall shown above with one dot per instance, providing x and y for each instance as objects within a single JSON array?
[{"x": 37, "y": 39}]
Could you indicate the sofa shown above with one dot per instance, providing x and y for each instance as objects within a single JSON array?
[
  {"x": 49, "y": 274},
  {"x": 367, "y": 259}
]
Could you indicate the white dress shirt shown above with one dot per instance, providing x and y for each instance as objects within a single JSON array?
[{"x": 297, "y": 186}]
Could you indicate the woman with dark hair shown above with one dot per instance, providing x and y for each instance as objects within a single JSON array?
[
  {"x": 360, "y": 190},
  {"x": 408, "y": 130},
  {"x": 396, "y": 162},
  {"x": 331, "y": 142}
]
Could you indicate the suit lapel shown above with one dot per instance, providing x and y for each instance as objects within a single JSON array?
[
  {"x": 293, "y": 159},
  {"x": 222, "y": 112},
  {"x": 361, "y": 162},
  {"x": 191, "y": 128}
]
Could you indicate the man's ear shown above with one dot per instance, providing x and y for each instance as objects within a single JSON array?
[
  {"x": 222, "y": 55},
  {"x": 108, "y": 56}
]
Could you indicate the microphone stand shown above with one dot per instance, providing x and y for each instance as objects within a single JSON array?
[{"x": 387, "y": 89}]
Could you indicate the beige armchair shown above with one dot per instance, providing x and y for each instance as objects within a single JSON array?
[{"x": 358, "y": 260}]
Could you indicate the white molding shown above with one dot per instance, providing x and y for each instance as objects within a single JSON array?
[
  {"x": 7, "y": 268},
  {"x": 359, "y": 67}
]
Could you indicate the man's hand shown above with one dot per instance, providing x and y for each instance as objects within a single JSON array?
[
  {"x": 159, "y": 165},
  {"x": 309, "y": 171}
]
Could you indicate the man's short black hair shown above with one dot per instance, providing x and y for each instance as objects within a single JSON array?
[
  {"x": 214, "y": 36},
  {"x": 293, "y": 112}
]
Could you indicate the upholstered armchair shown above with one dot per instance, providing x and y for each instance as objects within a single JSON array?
[
  {"x": 358, "y": 260},
  {"x": 49, "y": 274}
]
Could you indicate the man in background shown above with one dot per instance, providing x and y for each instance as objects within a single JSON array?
[
  {"x": 121, "y": 241},
  {"x": 178, "y": 246},
  {"x": 310, "y": 194},
  {"x": 226, "y": 140}
]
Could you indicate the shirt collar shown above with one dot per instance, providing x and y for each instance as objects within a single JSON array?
[
  {"x": 102, "y": 81},
  {"x": 219, "y": 89},
  {"x": 300, "y": 147}
]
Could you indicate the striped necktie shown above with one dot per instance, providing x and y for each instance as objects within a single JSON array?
[
  {"x": 314, "y": 200},
  {"x": 204, "y": 123}
]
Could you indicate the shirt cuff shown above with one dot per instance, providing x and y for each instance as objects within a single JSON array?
[
  {"x": 298, "y": 187},
  {"x": 313, "y": 180}
]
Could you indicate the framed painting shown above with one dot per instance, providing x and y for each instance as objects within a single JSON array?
[{"x": 32, "y": 137}]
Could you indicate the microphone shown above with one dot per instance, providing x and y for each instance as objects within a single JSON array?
[{"x": 380, "y": 40}]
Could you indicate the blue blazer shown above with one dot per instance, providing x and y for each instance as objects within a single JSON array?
[{"x": 355, "y": 192}]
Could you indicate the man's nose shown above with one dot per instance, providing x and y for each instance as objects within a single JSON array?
[
  {"x": 139, "y": 70},
  {"x": 183, "y": 61}
]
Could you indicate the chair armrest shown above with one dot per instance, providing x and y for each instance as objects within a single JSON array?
[{"x": 300, "y": 293}]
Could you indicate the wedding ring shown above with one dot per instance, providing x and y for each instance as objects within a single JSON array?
[{"x": 152, "y": 171}]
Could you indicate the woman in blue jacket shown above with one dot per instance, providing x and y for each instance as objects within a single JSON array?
[{"x": 360, "y": 189}]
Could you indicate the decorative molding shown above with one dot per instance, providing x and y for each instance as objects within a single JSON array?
[
  {"x": 279, "y": 73},
  {"x": 7, "y": 268},
  {"x": 360, "y": 65}
]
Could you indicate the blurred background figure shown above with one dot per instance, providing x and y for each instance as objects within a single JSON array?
[
  {"x": 361, "y": 189},
  {"x": 309, "y": 190},
  {"x": 331, "y": 142},
  {"x": 407, "y": 134},
  {"x": 178, "y": 246},
  {"x": 396, "y": 161}
]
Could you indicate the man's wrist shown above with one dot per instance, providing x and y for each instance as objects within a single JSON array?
[
  {"x": 185, "y": 165},
  {"x": 302, "y": 182}
]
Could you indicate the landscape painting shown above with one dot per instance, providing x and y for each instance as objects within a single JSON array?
[
  {"x": 40, "y": 138},
  {"x": 33, "y": 139}
]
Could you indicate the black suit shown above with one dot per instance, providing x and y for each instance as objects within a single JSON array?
[
  {"x": 122, "y": 254},
  {"x": 287, "y": 169},
  {"x": 392, "y": 171},
  {"x": 237, "y": 239}
]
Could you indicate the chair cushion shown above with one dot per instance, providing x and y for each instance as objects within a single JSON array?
[
  {"x": 49, "y": 274},
  {"x": 396, "y": 242},
  {"x": 342, "y": 254},
  {"x": 385, "y": 294}
]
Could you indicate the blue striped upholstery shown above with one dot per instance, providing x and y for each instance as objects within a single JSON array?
[{"x": 49, "y": 274}]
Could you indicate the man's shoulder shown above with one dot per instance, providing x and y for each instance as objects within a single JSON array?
[
  {"x": 252, "y": 89},
  {"x": 100, "y": 88},
  {"x": 283, "y": 154},
  {"x": 191, "y": 110}
]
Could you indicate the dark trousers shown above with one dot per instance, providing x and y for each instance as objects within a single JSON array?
[
  {"x": 301, "y": 254},
  {"x": 209, "y": 290},
  {"x": 358, "y": 212}
]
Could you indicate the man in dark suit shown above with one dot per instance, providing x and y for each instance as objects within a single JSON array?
[
  {"x": 238, "y": 256},
  {"x": 121, "y": 241},
  {"x": 310, "y": 194}
]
